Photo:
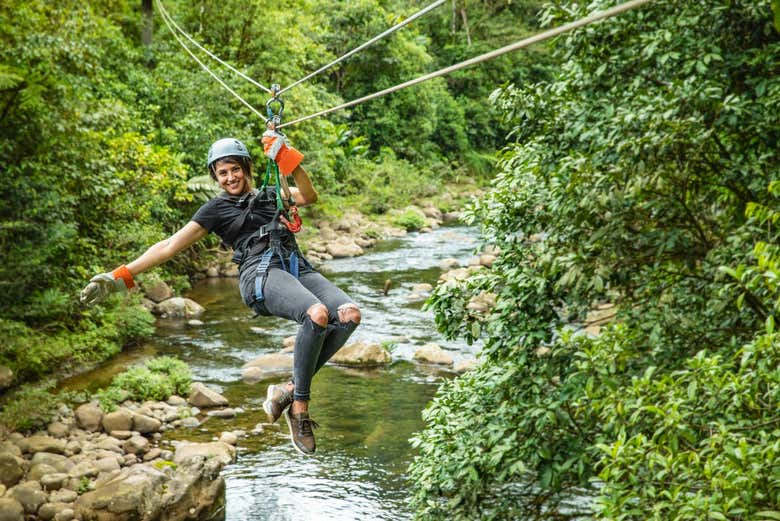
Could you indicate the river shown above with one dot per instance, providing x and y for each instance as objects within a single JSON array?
[{"x": 366, "y": 416}]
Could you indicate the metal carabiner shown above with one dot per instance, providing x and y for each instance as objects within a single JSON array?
[{"x": 274, "y": 118}]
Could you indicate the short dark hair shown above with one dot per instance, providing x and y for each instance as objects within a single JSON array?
[{"x": 244, "y": 162}]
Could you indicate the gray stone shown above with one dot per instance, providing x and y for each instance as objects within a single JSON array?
[
  {"x": 222, "y": 413},
  {"x": 179, "y": 307},
  {"x": 202, "y": 396},
  {"x": 190, "y": 422},
  {"x": 88, "y": 417},
  {"x": 229, "y": 437},
  {"x": 195, "y": 322},
  {"x": 146, "y": 424},
  {"x": 30, "y": 495},
  {"x": 110, "y": 444},
  {"x": 84, "y": 469},
  {"x": 53, "y": 481},
  {"x": 176, "y": 401},
  {"x": 11, "y": 469},
  {"x": 422, "y": 288},
  {"x": 107, "y": 464},
  {"x": 432, "y": 354},
  {"x": 119, "y": 420},
  {"x": 136, "y": 445},
  {"x": 482, "y": 303},
  {"x": 361, "y": 354},
  {"x": 66, "y": 514},
  {"x": 121, "y": 435},
  {"x": 133, "y": 494},
  {"x": 59, "y": 430},
  {"x": 59, "y": 462},
  {"x": 63, "y": 496},
  {"x": 152, "y": 454},
  {"x": 44, "y": 443},
  {"x": 222, "y": 452},
  {"x": 344, "y": 247},
  {"x": 158, "y": 291},
  {"x": 6, "y": 377},
  {"x": 10, "y": 448},
  {"x": 449, "y": 263},
  {"x": 49, "y": 510},
  {"x": 37, "y": 472},
  {"x": 11, "y": 510},
  {"x": 212, "y": 272},
  {"x": 487, "y": 260}
]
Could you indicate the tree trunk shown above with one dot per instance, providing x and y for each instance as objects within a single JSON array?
[{"x": 147, "y": 29}]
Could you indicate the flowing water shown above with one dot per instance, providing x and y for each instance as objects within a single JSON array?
[{"x": 366, "y": 416}]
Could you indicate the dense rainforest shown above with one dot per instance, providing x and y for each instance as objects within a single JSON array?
[{"x": 632, "y": 165}]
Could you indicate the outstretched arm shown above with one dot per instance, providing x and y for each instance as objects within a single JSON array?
[
  {"x": 303, "y": 192},
  {"x": 121, "y": 279}
]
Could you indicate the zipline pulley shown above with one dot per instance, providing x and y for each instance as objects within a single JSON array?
[{"x": 274, "y": 118}]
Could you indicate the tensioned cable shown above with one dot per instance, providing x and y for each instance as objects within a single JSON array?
[
  {"x": 415, "y": 16},
  {"x": 205, "y": 67},
  {"x": 199, "y": 46},
  {"x": 539, "y": 37}
]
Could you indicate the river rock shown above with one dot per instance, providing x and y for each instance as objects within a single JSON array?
[
  {"x": 195, "y": 322},
  {"x": 449, "y": 263},
  {"x": 84, "y": 469},
  {"x": 39, "y": 471},
  {"x": 361, "y": 354},
  {"x": 10, "y": 448},
  {"x": 136, "y": 445},
  {"x": 462, "y": 366},
  {"x": 58, "y": 430},
  {"x": 49, "y": 511},
  {"x": 179, "y": 307},
  {"x": 176, "y": 401},
  {"x": 212, "y": 272},
  {"x": 158, "y": 291},
  {"x": 53, "y": 481},
  {"x": 30, "y": 495},
  {"x": 146, "y": 424},
  {"x": 6, "y": 377},
  {"x": 66, "y": 514},
  {"x": 59, "y": 462},
  {"x": 107, "y": 464},
  {"x": 267, "y": 364},
  {"x": 11, "y": 469},
  {"x": 229, "y": 270},
  {"x": 202, "y": 396},
  {"x": 222, "y": 413},
  {"x": 433, "y": 213},
  {"x": 11, "y": 510},
  {"x": 44, "y": 443},
  {"x": 432, "y": 354},
  {"x": 119, "y": 420},
  {"x": 344, "y": 247},
  {"x": 229, "y": 438},
  {"x": 89, "y": 416},
  {"x": 218, "y": 450},
  {"x": 422, "y": 288},
  {"x": 63, "y": 496},
  {"x": 133, "y": 494},
  {"x": 487, "y": 260}
]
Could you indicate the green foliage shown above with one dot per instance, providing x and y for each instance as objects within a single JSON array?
[
  {"x": 29, "y": 408},
  {"x": 644, "y": 174},
  {"x": 157, "y": 379},
  {"x": 410, "y": 219}
]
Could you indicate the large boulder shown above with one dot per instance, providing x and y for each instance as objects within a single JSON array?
[
  {"x": 157, "y": 291},
  {"x": 89, "y": 416},
  {"x": 146, "y": 424},
  {"x": 202, "y": 396},
  {"x": 432, "y": 354},
  {"x": 59, "y": 462},
  {"x": 344, "y": 247},
  {"x": 30, "y": 495},
  {"x": 134, "y": 494},
  {"x": 179, "y": 307},
  {"x": 361, "y": 354}
]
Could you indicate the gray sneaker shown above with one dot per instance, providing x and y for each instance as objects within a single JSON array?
[
  {"x": 276, "y": 401},
  {"x": 301, "y": 431}
]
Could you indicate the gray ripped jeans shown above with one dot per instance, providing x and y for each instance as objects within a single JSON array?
[{"x": 290, "y": 298}]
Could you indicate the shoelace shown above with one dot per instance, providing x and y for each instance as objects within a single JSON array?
[{"x": 306, "y": 427}]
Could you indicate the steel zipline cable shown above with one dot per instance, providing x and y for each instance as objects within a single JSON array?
[
  {"x": 167, "y": 15},
  {"x": 205, "y": 67},
  {"x": 539, "y": 37},
  {"x": 415, "y": 16}
]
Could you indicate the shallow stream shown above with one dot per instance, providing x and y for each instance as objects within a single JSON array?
[{"x": 366, "y": 416}]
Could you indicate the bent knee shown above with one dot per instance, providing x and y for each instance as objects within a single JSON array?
[
  {"x": 349, "y": 313},
  {"x": 318, "y": 314}
]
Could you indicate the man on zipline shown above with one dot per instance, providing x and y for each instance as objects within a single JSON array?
[{"x": 274, "y": 277}]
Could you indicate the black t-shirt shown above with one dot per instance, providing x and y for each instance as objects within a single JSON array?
[{"x": 219, "y": 213}]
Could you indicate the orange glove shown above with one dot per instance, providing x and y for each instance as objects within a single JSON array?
[{"x": 276, "y": 148}]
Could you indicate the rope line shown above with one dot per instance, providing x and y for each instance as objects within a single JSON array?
[
  {"x": 418, "y": 14},
  {"x": 204, "y": 66},
  {"x": 539, "y": 37},
  {"x": 211, "y": 55}
]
